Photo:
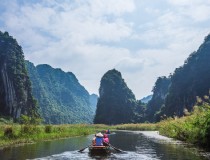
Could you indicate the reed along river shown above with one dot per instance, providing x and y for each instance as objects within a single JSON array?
[{"x": 144, "y": 145}]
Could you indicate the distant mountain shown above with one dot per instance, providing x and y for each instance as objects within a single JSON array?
[
  {"x": 61, "y": 97},
  {"x": 15, "y": 87},
  {"x": 117, "y": 103},
  {"x": 146, "y": 99},
  {"x": 184, "y": 86},
  {"x": 93, "y": 99}
]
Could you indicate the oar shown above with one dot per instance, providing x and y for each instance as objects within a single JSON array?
[
  {"x": 117, "y": 149},
  {"x": 84, "y": 148}
]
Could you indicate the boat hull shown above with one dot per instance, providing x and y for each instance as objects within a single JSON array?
[{"x": 99, "y": 150}]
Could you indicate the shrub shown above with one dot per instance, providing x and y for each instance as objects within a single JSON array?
[
  {"x": 24, "y": 119},
  {"x": 8, "y": 132},
  {"x": 29, "y": 129},
  {"x": 48, "y": 129}
]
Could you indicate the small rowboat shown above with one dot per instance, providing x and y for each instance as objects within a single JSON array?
[{"x": 99, "y": 150}]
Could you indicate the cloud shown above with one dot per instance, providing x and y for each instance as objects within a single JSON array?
[
  {"x": 107, "y": 7},
  {"x": 130, "y": 65},
  {"x": 142, "y": 39},
  {"x": 196, "y": 10}
]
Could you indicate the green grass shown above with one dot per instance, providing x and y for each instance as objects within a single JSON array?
[
  {"x": 138, "y": 127},
  {"x": 194, "y": 128},
  {"x": 17, "y": 134}
]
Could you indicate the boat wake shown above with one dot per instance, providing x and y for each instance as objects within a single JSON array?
[{"x": 75, "y": 155}]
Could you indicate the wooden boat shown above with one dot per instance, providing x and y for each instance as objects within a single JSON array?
[{"x": 99, "y": 150}]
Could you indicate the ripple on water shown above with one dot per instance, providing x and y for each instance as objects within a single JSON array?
[
  {"x": 138, "y": 145},
  {"x": 74, "y": 155}
]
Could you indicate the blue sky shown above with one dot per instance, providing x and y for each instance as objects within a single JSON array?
[{"x": 141, "y": 39}]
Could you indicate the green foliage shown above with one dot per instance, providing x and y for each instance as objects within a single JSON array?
[
  {"x": 29, "y": 129},
  {"x": 32, "y": 133},
  {"x": 60, "y": 96},
  {"x": 48, "y": 129},
  {"x": 138, "y": 127},
  {"x": 117, "y": 103},
  {"x": 15, "y": 95},
  {"x": 24, "y": 119},
  {"x": 189, "y": 81},
  {"x": 8, "y": 132},
  {"x": 177, "y": 95},
  {"x": 194, "y": 128},
  {"x": 6, "y": 120},
  {"x": 160, "y": 91}
]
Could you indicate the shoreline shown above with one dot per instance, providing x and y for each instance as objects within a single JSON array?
[
  {"x": 155, "y": 136},
  {"x": 34, "y": 134}
]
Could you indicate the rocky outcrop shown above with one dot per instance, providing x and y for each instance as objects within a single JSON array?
[
  {"x": 10, "y": 96},
  {"x": 15, "y": 87},
  {"x": 117, "y": 103}
]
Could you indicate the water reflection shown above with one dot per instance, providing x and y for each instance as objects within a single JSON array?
[{"x": 137, "y": 146}]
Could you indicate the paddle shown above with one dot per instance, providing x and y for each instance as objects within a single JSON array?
[
  {"x": 117, "y": 149},
  {"x": 84, "y": 148}
]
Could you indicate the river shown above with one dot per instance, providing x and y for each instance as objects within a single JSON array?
[{"x": 138, "y": 145}]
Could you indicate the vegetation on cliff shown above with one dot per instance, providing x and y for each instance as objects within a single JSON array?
[
  {"x": 61, "y": 97},
  {"x": 15, "y": 87},
  {"x": 183, "y": 86},
  {"x": 117, "y": 103},
  {"x": 154, "y": 106}
]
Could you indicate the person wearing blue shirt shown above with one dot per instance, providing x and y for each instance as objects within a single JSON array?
[{"x": 99, "y": 139}]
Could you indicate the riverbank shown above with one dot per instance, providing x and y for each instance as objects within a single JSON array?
[
  {"x": 194, "y": 128},
  {"x": 15, "y": 134}
]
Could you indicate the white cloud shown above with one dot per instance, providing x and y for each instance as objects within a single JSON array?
[
  {"x": 142, "y": 39},
  {"x": 106, "y": 7},
  {"x": 130, "y": 65},
  {"x": 197, "y": 10}
]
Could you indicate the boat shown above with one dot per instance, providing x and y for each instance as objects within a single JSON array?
[{"x": 99, "y": 150}]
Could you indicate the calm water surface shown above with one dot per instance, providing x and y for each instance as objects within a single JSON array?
[{"x": 137, "y": 146}]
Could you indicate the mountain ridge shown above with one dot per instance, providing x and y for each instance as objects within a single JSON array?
[{"x": 61, "y": 94}]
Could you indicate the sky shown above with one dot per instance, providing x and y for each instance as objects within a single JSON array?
[{"x": 143, "y": 39}]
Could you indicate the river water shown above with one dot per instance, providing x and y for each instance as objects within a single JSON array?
[{"x": 144, "y": 145}]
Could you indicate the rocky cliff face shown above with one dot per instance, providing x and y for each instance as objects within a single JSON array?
[
  {"x": 189, "y": 81},
  {"x": 160, "y": 91},
  {"x": 116, "y": 103},
  {"x": 177, "y": 94},
  {"x": 9, "y": 94},
  {"x": 15, "y": 87}
]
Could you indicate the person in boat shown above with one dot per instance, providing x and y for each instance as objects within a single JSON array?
[
  {"x": 94, "y": 140},
  {"x": 99, "y": 139},
  {"x": 105, "y": 140},
  {"x": 107, "y": 131}
]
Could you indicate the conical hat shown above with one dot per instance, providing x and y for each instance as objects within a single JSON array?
[{"x": 99, "y": 134}]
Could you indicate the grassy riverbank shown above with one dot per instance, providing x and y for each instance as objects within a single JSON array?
[
  {"x": 11, "y": 134},
  {"x": 194, "y": 128}
]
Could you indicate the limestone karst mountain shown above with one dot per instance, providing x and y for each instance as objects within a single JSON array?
[{"x": 15, "y": 87}]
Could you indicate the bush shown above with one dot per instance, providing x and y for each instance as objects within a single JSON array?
[
  {"x": 24, "y": 119},
  {"x": 29, "y": 129},
  {"x": 48, "y": 129},
  {"x": 8, "y": 132}
]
